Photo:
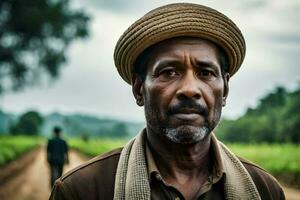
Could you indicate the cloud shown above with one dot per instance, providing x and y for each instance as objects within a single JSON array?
[{"x": 90, "y": 83}]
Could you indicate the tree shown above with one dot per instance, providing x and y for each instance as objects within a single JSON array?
[
  {"x": 28, "y": 124},
  {"x": 291, "y": 118},
  {"x": 119, "y": 130},
  {"x": 276, "y": 98},
  {"x": 275, "y": 119},
  {"x": 34, "y": 36}
]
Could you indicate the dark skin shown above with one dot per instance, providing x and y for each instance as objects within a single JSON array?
[{"x": 182, "y": 73}]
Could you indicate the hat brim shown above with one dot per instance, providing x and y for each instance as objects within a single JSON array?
[{"x": 179, "y": 20}]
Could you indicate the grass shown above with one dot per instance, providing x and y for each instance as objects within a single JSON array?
[
  {"x": 278, "y": 159},
  {"x": 12, "y": 147},
  {"x": 275, "y": 158},
  {"x": 95, "y": 147}
]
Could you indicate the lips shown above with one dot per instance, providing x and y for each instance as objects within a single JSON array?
[
  {"x": 188, "y": 114},
  {"x": 188, "y": 117},
  {"x": 188, "y": 106},
  {"x": 188, "y": 111}
]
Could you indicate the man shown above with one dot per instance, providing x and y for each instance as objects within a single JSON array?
[
  {"x": 57, "y": 154},
  {"x": 178, "y": 59}
]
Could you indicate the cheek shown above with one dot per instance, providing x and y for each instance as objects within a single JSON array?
[
  {"x": 214, "y": 97},
  {"x": 159, "y": 97}
]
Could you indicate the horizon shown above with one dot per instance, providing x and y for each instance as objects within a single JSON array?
[{"x": 111, "y": 117}]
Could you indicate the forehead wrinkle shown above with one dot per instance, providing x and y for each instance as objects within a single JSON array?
[
  {"x": 187, "y": 58},
  {"x": 207, "y": 62},
  {"x": 168, "y": 55}
]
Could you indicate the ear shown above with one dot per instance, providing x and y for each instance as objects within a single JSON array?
[
  {"x": 226, "y": 78},
  {"x": 137, "y": 89}
]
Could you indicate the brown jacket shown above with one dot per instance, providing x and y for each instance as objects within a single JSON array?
[{"x": 95, "y": 180}]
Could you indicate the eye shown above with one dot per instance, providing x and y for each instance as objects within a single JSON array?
[
  {"x": 206, "y": 73},
  {"x": 168, "y": 74}
]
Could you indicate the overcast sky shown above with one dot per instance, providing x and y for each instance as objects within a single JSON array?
[{"x": 89, "y": 83}]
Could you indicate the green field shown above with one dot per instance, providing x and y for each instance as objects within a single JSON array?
[
  {"x": 282, "y": 160},
  {"x": 12, "y": 147},
  {"x": 95, "y": 147},
  {"x": 278, "y": 159}
]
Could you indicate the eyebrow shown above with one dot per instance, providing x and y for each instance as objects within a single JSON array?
[
  {"x": 207, "y": 64},
  {"x": 166, "y": 61},
  {"x": 175, "y": 61}
]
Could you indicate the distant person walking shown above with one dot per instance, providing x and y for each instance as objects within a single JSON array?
[{"x": 57, "y": 154}]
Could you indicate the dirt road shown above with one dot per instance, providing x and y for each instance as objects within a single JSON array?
[
  {"x": 33, "y": 182},
  {"x": 291, "y": 193}
]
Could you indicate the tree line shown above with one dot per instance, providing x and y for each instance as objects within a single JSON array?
[
  {"x": 276, "y": 119},
  {"x": 32, "y": 123}
]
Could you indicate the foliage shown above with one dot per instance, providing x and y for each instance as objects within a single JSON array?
[
  {"x": 95, "y": 147},
  {"x": 275, "y": 158},
  {"x": 291, "y": 117},
  {"x": 275, "y": 119},
  {"x": 34, "y": 36},
  {"x": 28, "y": 124},
  {"x": 12, "y": 147},
  {"x": 78, "y": 125},
  {"x": 119, "y": 129}
]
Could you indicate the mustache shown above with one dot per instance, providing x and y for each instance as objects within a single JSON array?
[{"x": 188, "y": 104}]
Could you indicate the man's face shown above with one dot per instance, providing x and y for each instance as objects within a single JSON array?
[{"x": 184, "y": 90}]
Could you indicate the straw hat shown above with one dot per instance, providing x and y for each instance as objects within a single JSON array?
[{"x": 175, "y": 20}]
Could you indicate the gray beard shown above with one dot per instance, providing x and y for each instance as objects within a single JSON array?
[{"x": 186, "y": 134}]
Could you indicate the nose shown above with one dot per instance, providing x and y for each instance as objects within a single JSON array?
[{"x": 189, "y": 86}]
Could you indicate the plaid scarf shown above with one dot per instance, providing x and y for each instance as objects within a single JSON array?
[{"x": 132, "y": 181}]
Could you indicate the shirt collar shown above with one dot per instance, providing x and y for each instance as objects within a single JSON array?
[
  {"x": 218, "y": 167},
  {"x": 152, "y": 168}
]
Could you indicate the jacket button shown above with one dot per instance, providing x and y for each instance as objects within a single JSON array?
[{"x": 158, "y": 177}]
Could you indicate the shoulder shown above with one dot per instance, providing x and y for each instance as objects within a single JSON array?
[
  {"x": 90, "y": 179},
  {"x": 267, "y": 186},
  {"x": 99, "y": 163}
]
